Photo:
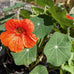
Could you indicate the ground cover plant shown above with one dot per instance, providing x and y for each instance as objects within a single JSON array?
[{"x": 40, "y": 41}]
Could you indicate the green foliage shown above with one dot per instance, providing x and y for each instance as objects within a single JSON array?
[
  {"x": 17, "y": 5},
  {"x": 2, "y": 27},
  {"x": 50, "y": 23},
  {"x": 72, "y": 42},
  {"x": 37, "y": 10},
  {"x": 72, "y": 48},
  {"x": 3, "y": 20},
  {"x": 25, "y": 13},
  {"x": 39, "y": 70},
  {"x": 26, "y": 56},
  {"x": 58, "y": 49},
  {"x": 42, "y": 25},
  {"x": 70, "y": 66},
  {"x": 43, "y": 3},
  {"x": 58, "y": 13}
]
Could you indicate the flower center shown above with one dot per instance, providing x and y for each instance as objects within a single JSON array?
[{"x": 20, "y": 30}]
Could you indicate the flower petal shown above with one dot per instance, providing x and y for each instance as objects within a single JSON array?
[
  {"x": 27, "y": 25},
  {"x": 69, "y": 17},
  {"x": 16, "y": 44},
  {"x": 13, "y": 41},
  {"x": 12, "y": 24},
  {"x": 5, "y": 37},
  {"x": 29, "y": 40}
]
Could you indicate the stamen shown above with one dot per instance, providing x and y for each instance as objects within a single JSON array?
[{"x": 20, "y": 30}]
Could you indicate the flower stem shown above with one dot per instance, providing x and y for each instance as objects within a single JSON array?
[
  {"x": 68, "y": 31},
  {"x": 18, "y": 14}
]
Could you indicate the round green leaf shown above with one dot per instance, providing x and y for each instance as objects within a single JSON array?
[
  {"x": 2, "y": 27},
  {"x": 26, "y": 56},
  {"x": 42, "y": 27},
  {"x": 58, "y": 49},
  {"x": 39, "y": 70}
]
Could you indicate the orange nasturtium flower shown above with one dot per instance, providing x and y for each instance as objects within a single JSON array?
[
  {"x": 69, "y": 17},
  {"x": 18, "y": 35}
]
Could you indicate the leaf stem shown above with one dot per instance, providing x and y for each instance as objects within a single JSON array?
[
  {"x": 52, "y": 69},
  {"x": 61, "y": 71},
  {"x": 36, "y": 62},
  {"x": 68, "y": 31},
  {"x": 41, "y": 40}
]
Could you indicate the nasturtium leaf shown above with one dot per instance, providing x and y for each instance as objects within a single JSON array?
[
  {"x": 17, "y": 5},
  {"x": 39, "y": 70},
  {"x": 43, "y": 26},
  {"x": 2, "y": 27},
  {"x": 25, "y": 13},
  {"x": 58, "y": 49},
  {"x": 26, "y": 56}
]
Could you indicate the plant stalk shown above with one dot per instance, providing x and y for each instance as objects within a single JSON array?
[{"x": 18, "y": 14}]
